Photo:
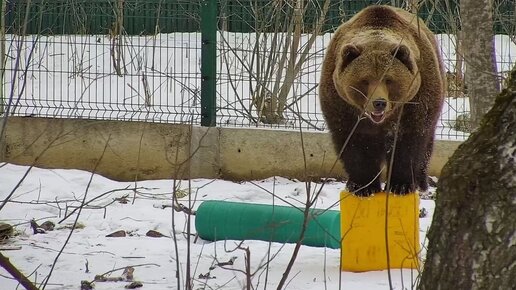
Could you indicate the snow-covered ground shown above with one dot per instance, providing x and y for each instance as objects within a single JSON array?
[{"x": 49, "y": 195}]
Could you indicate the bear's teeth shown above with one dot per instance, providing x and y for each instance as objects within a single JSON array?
[{"x": 377, "y": 117}]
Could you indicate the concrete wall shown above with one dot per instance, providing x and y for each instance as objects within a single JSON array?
[{"x": 136, "y": 150}]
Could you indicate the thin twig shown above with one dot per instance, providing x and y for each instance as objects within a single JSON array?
[{"x": 123, "y": 268}]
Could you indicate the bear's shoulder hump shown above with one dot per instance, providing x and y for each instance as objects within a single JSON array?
[{"x": 380, "y": 16}]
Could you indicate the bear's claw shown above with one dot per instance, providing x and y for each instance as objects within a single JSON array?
[
  {"x": 362, "y": 190},
  {"x": 401, "y": 188}
]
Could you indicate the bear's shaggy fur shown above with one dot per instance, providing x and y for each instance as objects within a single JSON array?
[{"x": 382, "y": 84}]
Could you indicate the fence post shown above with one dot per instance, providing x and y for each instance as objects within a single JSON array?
[{"x": 208, "y": 62}]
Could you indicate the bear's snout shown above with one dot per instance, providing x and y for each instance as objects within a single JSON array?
[{"x": 380, "y": 105}]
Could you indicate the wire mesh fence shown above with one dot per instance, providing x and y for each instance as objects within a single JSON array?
[
  {"x": 103, "y": 60},
  {"x": 140, "y": 60}
]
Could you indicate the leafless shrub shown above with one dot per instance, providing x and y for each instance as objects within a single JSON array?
[{"x": 274, "y": 56}]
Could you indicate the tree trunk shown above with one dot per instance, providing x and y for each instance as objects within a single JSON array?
[
  {"x": 479, "y": 55},
  {"x": 472, "y": 240}
]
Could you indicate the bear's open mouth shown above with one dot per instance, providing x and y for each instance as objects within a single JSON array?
[{"x": 377, "y": 117}]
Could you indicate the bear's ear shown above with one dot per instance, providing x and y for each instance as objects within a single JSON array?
[
  {"x": 402, "y": 53},
  {"x": 349, "y": 53}
]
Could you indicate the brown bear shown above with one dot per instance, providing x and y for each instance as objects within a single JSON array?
[{"x": 381, "y": 92}]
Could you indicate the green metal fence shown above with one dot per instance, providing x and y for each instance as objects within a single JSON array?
[
  {"x": 140, "y": 17},
  {"x": 144, "y": 17},
  {"x": 76, "y": 59},
  {"x": 230, "y": 62}
]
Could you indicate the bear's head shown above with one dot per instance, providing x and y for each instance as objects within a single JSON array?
[{"x": 376, "y": 75}]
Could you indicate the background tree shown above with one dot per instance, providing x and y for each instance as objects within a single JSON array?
[
  {"x": 2, "y": 72},
  {"x": 479, "y": 55},
  {"x": 472, "y": 240}
]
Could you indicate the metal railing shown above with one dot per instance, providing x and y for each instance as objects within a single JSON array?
[{"x": 243, "y": 63}]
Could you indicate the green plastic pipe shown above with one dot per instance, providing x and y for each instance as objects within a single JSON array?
[{"x": 223, "y": 220}]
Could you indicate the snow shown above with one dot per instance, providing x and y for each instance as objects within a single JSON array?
[{"x": 51, "y": 194}]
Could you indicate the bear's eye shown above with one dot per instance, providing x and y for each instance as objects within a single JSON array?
[{"x": 388, "y": 81}]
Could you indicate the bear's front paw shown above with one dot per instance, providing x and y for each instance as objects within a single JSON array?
[
  {"x": 401, "y": 188},
  {"x": 362, "y": 190}
]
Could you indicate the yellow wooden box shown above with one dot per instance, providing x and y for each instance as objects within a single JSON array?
[{"x": 363, "y": 231}]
